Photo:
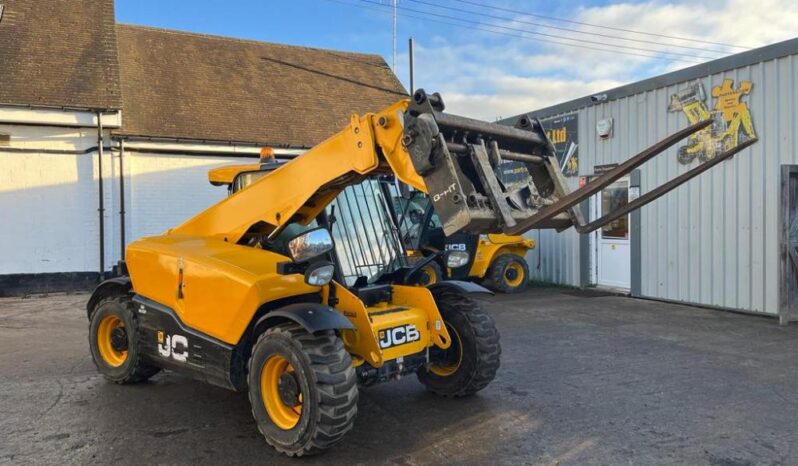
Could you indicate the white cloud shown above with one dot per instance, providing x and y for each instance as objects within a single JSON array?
[{"x": 481, "y": 75}]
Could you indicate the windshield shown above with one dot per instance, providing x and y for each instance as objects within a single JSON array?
[
  {"x": 244, "y": 179},
  {"x": 365, "y": 236},
  {"x": 366, "y": 239}
]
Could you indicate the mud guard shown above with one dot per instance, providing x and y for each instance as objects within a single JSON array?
[
  {"x": 108, "y": 287},
  {"x": 461, "y": 286},
  {"x": 312, "y": 317}
]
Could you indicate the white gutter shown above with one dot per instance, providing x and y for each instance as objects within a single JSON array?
[
  {"x": 57, "y": 117},
  {"x": 204, "y": 148}
]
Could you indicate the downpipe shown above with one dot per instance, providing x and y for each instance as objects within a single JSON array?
[{"x": 101, "y": 208}]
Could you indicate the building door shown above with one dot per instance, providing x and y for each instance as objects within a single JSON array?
[
  {"x": 788, "y": 309},
  {"x": 613, "y": 248}
]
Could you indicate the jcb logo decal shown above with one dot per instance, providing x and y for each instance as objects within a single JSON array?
[
  {"x": 174, "y": 346},
  {"x": 399, "y": 336}
]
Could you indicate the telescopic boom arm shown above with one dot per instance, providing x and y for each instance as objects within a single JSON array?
[{"x": 451, "y": 158}]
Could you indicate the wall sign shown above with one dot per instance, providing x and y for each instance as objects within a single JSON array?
[
  {"x": 602, "y": 169},
  {"x": 731, "y": 119},
  {"x": 563, "y": 132}
]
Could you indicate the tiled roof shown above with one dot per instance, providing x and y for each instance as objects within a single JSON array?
[
  {"x": 59, "y": 53},
  {"x": 193, "y": 86}
]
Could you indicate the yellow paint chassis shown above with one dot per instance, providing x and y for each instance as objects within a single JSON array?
[{"x": 217, "y": 288}]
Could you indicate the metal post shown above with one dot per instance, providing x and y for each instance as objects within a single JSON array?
[
  {"x": 412, "y": 77},
  {"x": 101, "y": 209},
  {"x": 393, "y": 60},
  {"x": 122, "y": 199}
]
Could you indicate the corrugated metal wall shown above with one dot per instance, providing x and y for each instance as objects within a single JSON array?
[
  {"x": 555, "y": 258},
  {"x": 713, "y": 241}
]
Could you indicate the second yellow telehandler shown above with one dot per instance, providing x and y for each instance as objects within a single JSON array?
[{"x": 495, "y": 260}]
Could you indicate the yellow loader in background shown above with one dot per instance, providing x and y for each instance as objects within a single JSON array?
[{"x": 495, "y": 260}]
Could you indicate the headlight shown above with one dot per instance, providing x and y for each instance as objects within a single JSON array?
[
  {"x": 456, "y": 259},
  {"x": 319, "y": 274},
  {"x": 310, "y": 244}
]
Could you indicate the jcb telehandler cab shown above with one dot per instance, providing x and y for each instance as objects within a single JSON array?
[{"x": 253, "y": 295}]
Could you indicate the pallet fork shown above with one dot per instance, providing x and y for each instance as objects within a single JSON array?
[{"x": 445, "y": 147}]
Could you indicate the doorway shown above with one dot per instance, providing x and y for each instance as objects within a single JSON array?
[
  {"x": 788, "y": 309},
  {"x": 613, "y": 242}
]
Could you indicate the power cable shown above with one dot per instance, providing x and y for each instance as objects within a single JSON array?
[
  {"x": 586, "y": 47},
  {"x": 576, "y": 31},
  {"x": 552, "y": 18},
  {"x": 538, "y": 33}
]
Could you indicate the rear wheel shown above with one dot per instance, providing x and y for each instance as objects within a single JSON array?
[
  {"x": 508, "y": 273},
  {"x": 113, "y": 341},
  {"x": 302, "y": 388},
  {"x": 473, "y": 358}
]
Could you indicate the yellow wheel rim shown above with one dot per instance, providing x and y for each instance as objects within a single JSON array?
[
  {"x": 429, "y": 272},
  {"x": 445, "y": 370},
  {"x": 514, "y": 274},
  {"x": 110, "y": 354},
  {"x": 284, "y": 416}
]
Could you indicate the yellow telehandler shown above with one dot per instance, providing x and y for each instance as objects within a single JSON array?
[{"x": 296, "y": 289}]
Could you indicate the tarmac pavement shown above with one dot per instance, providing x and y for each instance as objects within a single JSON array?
[{"x": 585, "y": 379}]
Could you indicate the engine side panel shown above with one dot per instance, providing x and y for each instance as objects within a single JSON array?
[
  {"x": 213, "y": 286},
  {"x": 166, "y": 342}
]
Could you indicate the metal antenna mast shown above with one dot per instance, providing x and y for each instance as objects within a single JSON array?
[
  {"x": 412, "y": 71},
  {"x": 393, "y": 59}
]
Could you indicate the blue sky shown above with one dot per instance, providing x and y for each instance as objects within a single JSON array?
[{"x": 487, "y": 74}]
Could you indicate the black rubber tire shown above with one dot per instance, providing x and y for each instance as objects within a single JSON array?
[
  {"x": 481, "y": 350},
  {"x": 133, "y": 370},
  {"x": 431, "y": 268},
  {"x": 327, "y": 381},
  {"x": 496, "y": 278}
]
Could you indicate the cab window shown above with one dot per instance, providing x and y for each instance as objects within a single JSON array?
[{"x": 244, "y": 179}]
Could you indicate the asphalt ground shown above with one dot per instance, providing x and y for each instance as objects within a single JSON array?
[{"x": 585, "y": 379}]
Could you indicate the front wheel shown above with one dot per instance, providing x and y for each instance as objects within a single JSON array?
[
  {"x": 302, "y": 388},
  {"x": 473, "y": 358}
]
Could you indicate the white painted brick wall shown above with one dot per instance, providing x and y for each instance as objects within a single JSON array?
[
  {"x": 48, "y": 202},
  {"x": 164, "y": 190}
]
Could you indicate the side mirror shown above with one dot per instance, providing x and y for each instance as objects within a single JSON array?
[{"x": 310, "y": 244}]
